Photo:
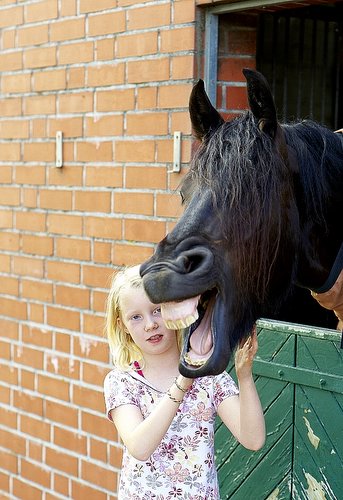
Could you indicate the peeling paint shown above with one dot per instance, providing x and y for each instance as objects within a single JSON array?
[
  {"x": 274, "y": 494},
  {"x": 315, "y": 489},
  {"x": 315, "y": 440},
  {"x": 54, "y": 362},
  {"x": 85, "y": 346}
]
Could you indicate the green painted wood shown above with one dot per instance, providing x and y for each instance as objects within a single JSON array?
[{"x": 303, "y": 406}]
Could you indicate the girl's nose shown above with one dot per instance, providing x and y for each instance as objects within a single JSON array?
[{"x": 151, "y": 325}]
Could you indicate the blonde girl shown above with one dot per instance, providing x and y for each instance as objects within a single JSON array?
[{"x": 166, "y": 421}]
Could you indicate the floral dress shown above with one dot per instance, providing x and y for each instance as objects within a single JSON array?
[{"x": 182, "y": 466}]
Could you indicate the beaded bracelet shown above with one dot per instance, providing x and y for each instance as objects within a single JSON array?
[
  {"x": 179, "y": 386},
  {"x": 178, "y": 401}
]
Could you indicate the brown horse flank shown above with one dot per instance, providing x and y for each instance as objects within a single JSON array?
[{"x": 262, "y": 223}]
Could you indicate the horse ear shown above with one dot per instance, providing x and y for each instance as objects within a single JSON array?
[
  {"x": 261, "y": 101},
  {"x": 204, "y": 116}
]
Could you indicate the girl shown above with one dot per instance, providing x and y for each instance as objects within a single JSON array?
[{"x": 165, "y": 420}]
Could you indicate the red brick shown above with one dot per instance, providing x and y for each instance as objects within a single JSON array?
[
  {"x": 137, "y": 45},
  {"x": 9, "y": 286},
  {"x": 70, "y": 127},
  {"x": 37, "y": 290},
  {"x": 30, "y": 221},
  {"x": 11, "y": 61},
  {"x": 70, "y": 440},
  {"x": 40, "y": 337},
  {"x": 63, "y": 271},
  {"x": 28, "y": 403},
  {"x": 107, "y": 74},
  {"x": 35, "y": 427},
  {"x": 61, "y": 413},
  {"x": 11, "y": 16},
  {"x": 94, "y": 474},
  {"x": 146, "y": 177},
  {"x": 28, "y": 266},
  {"x": 72, "y": 248},
  {"x": 90, "y": 6},
  {"x": 62, "y": 461},
  {"x": 99, "y": 227},
  {"x": 129, "y": 255},
  {"x": 80, "y": 491},
  {"x": 13, "y": 443},
  {"x": 134, "y": 203},
  {"x": 149, "y": 17},
  {"x": 16, "y": 83},
  {"x": 236, "y": 98},
  {"x": 40, "y": 57},
  {"x": 37, "y": 245},
  {"x": 63, "y": 318},
  {"x": 96, "y": 276},
  {"x": 94, "y": 151},
  {"x": 55, "y": 199},
  {"x": 76, "y": 103},
  {"x": 104, "y": 126},
  {"x": 64, "y": 224},
  {"x": 135, "y": 151},
  {"x": 104, "y": 176},
  {"x": 147, "y": 123},
  {"x": 41, "y": 11},
  {"x": 148, "y": 70},
  {"x": 102, "y": 252},
  {"x": 66, "y": 176},
  {"x": 27, "y": 174},
  {"x": 230, "y": 68},
  {"x": 72, "y": 296},
  {"x": 76, "y": 53},
  {"x": 178, "y": 39},
  {"x": 115, "y": 100},
  {"x": 68, "y": 29},
  {"x": 97, "y": 426},
  {"x": 9, "y": 241},
  {"x": 35, "y": 473},
  {"x": 53, "y": 387},
  {"x": 144, "y": 230},
  {"x": 33, "y": 35},
  {"x": 106, "y": 24}
]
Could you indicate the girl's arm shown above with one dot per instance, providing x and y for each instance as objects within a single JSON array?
[
  {"x": 243, "y": 414},
  {"x": 142, "y": 436}
]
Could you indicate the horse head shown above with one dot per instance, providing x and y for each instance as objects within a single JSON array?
[{"x": 234, "y": 254}]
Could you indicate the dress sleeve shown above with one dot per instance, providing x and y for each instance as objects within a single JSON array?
[
  {"x": 224, "y": 387},
  {"x": 119, "y": 389}
]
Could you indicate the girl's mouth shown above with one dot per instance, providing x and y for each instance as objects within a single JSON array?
[{"x": 154, "y": 339}]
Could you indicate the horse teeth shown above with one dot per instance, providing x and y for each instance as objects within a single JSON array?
[
  {"x": 178, "y": 324},
  {"x": 194, "y": 362}
]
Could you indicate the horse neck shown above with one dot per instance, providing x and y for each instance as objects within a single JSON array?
[{"x": 321, "y": 238}]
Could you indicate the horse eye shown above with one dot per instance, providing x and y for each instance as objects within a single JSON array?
[{"x": 182, "y": 197}]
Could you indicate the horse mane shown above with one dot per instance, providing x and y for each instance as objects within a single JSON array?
[{"x": 248, "y": 181}]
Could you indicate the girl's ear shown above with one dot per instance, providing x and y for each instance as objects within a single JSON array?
[{"x": 121, "y": 325}]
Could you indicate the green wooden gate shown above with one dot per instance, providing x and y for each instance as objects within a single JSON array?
[{"x": 299, "y": 377}]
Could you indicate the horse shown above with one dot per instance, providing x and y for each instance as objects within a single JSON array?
[{"x": 262, "y": 225}]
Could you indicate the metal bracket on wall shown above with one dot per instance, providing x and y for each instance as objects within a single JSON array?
[
  {"x": 59, "y": 149},
  {"x": 176, "y": 153}
]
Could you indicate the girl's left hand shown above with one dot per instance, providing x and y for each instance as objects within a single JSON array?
[{"x": 245, "y": 354}]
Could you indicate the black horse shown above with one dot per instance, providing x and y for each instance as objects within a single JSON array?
[{"x": 263, "y": 219}]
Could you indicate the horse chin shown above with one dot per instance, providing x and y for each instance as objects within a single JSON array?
[{"x": 209, "y": 332}]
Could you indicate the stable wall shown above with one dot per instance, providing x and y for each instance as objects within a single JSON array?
[{"x": 115, "y": 77}]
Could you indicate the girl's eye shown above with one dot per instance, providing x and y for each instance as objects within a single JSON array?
[
  {"x": 157, "y": 310},
  {"x": 135, "y": 317}
]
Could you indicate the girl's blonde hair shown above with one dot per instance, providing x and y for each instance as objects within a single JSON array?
[{"x": 123, "y": 349}]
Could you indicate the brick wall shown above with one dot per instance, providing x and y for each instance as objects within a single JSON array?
[{"x": 114, "y": 76}]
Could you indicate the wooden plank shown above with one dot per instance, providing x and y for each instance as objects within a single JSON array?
[
  {"x": 320, "y": 380},
  {"x": 263, "y": 479}
]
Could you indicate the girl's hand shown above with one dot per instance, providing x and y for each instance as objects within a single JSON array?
[{"x": 245, "y": 354}]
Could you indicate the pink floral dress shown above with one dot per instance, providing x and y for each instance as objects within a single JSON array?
[{"x": 183, "y": 465}]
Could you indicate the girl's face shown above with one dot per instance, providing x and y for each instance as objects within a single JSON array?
[{"x": 143, "y": 320}]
